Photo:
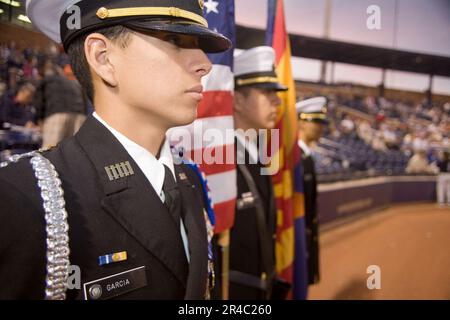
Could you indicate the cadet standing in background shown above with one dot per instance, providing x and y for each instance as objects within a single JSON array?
[
  {"x": 312, "y": 119},
  {"x": 252, "y": 239}
]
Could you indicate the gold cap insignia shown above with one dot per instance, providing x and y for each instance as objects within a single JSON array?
[{"x": 102, "y": 13}]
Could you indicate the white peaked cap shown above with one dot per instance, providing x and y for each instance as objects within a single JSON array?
[
  {"x": 255, "y": 60},
  {"x": 312, "y": 105}
]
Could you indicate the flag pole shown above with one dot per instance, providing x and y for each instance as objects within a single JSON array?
[{"x": 224, "y": 243}]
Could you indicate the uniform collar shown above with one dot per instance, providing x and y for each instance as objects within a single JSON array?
[
  {"x": 152, "y": 168},
  {"x": 306, "y": 150},
  {"x": 129, "y": 197}
]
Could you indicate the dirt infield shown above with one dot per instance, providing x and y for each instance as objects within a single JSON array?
[{"x": 410, "y": 244}]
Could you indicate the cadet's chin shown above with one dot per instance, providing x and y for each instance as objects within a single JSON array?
[
  {"x": 270, "y": 125},
  {"x": 187, "y": 117}
]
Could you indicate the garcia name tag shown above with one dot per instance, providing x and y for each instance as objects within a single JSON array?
[{"x": 115, "y": 285}]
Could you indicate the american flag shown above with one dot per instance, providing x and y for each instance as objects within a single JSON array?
[{"x": 216, "y": 112}]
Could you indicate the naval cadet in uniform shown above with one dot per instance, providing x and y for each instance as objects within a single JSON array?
[
  {"x": 113, "y": 200},
  {"x": 252, "y": 238},
  {"x": 312, "y": 119}
]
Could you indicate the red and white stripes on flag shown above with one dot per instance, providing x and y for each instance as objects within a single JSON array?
[{"x": 210, "y": 140}]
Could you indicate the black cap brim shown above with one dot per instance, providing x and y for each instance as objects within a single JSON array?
[
  {"x": 324, "y": 122},
  {"x": 266, "y": 85},
  {"x": 321, "y": 121},
  {"x": 209, "y": 41}
]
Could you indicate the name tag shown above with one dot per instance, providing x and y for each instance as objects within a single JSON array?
[{"x": 115, "y": 285}]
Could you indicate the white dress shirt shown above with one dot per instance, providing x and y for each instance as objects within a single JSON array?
[
  {"x": 306, "y": 150},
  {"x": 152, "y": 168}
]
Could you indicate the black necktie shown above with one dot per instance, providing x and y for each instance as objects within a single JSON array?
[{"x": 172, "y": 195}]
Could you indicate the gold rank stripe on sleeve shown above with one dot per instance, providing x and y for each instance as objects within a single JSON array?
[{"x": 105, "y": 13}]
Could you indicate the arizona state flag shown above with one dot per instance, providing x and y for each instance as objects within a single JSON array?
[{"x": 291, "y": 240}]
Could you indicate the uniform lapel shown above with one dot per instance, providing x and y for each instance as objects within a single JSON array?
[
  {"x": 255, "y": 171},
  {"x": 132, "y": 201},
  {"x": 195, "y": 225}
]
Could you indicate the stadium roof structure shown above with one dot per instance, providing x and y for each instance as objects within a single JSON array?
[{"x": 356, "y": 54}]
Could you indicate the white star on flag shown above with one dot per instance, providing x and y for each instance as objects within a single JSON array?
[{"x": 211, "y": 6}]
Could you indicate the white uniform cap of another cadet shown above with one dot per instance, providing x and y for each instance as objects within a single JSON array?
[
  {"x": 313, "y": 109},
  {"x": 63, "y": 21},
  {"x": 256, "y": 68}
]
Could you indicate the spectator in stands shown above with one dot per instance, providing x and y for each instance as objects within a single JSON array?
[
  {"x": 389, "y": 136},
  {"x": 380, "y": 117},
  {"x": 371, "y": 105},
  {"x": 60, "y": 105},
  {"x": 418, "y": 164},
  {"x": 378, "y": 142},
  {"x": 447, "y": 107},
  {"x": 365, "y": 131},
  {"x": 419, "y": 142},
  {"x": 347, "y": 125},
  {"x": 16, "y": 109},
  {"x": 30, "y": 69}
]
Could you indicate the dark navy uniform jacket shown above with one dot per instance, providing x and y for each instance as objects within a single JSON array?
[
  {"x": 245, "y": 245},
  {"x": 311, "y": 217},
  {"x": 104, "y": 217}
]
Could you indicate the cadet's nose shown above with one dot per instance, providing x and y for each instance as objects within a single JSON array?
[
  {"x": 276, "y": 101},
  {"x": 202, "y": 65}
]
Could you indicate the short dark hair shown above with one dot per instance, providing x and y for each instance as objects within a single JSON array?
[{"x": 118, "y": 34}]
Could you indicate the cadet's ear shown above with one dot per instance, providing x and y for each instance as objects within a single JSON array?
[
  {"x": 239, "y": 101},
  {"x": 97, "y": 49}
]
